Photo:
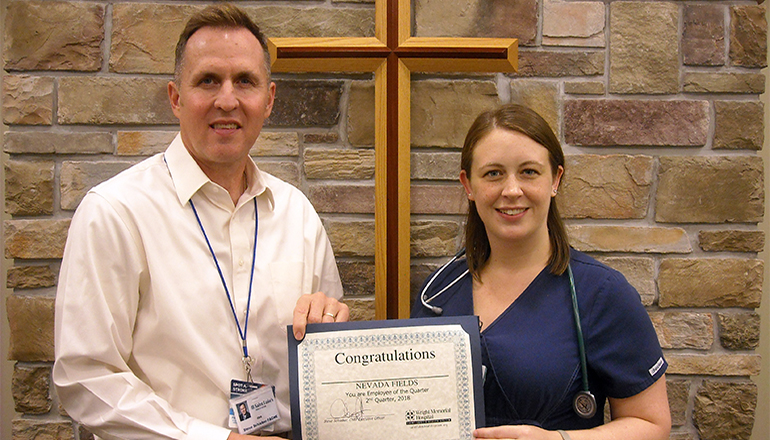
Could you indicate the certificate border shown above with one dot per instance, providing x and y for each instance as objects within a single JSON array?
[{"x": 468, "y": 323}]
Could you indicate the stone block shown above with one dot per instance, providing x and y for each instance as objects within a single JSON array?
[
  {"x": 305, "y": 103},
  {"x": 748, "y": 36},
  {"x": 678, "y": 398},
  {"x": 435, "y": 166},
  {"x": 640, "y": 273},
  {"x": 329, "y": 137},
  {"x": 304, "y": 21},
  {"x": 644, "y": 55},
  {"x": 739, "y": 330},
  {"x": 35, "y": 239},
  {"x": 30, "y": 387},
  {"x": 443, "y": 110},
  {"x": 30, "y": 319},
  {"x": 29, "y": 187},
  {"x": 57, "y": 35},
  {"x": 27, "y": 100},
  {"x": 33, "y": 142},
  {"x": 434, "y": 238},
  {"x": 276, "y": 143},
  {"x": 360, "y": 124},
  {"x": 541, "y": 96},
  {"x": 732, "y": 241},
  {"x": 725, "y": 410},
  {"x": 143, "y": 143},
  {"x": 144, "y": 36},
  {"x": 637, "y": 239},
  {"x": 712, "y": 282},
  {"x": 114, "y": 100},
  {"x": 79, "y": 177},
  {"x": 584, "y": 87},
  {"x": 342, "y": 198},
  {"x": 693, "y": 190},
  {"x": 41, "y": 429},
  {"x": 560, "y": 63},
  {"x": 610, "y": 123},
  {"x": 684, "y": 330},
  {"x": 477, "y": 18},
  {"x": 729, "y": 365},
  {"x": 357, "y": 278},
  {"x": 285, "y": 170},
  {"x": 739, "y": 125},
  {"x": 419, "y": 274},
  {"x": 351, "y": 238},
  {"x": 703, "y": 39},
  {"x": 439, "y": 199},
  {"x": 336, "y": 163},
  {"x": 573, "y": 23},
  {"x": 731, "y": 82},
  {"x": 30, "y": 277},
  {"x": 361, "y": 309},
  {"x": 616, "y": 186}
]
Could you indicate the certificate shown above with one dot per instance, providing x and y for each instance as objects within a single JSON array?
[{"x": 393, "y": 379}]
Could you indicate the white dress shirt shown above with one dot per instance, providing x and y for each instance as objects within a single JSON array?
[{"x": 146, "y": 342}]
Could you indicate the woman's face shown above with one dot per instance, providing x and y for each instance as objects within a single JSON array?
[{"x": 511, "y": 182}]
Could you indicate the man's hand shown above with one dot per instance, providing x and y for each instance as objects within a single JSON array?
[
  {"x": 236, "y": 436},
  {"x": 317, "y": 308}
]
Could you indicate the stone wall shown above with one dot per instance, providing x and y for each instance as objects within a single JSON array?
[{"x": 657, "y": 103}]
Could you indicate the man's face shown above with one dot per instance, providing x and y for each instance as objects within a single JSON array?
[{"x": 223, "y": 97}]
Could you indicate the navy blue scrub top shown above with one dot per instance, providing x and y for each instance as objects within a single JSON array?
[{"x": 531, "y": 351}]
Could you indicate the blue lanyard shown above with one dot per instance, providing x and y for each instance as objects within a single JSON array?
[{"x": 247, "y": 360}]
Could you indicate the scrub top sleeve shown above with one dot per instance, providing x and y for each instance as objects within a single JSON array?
[{"x": 622, "y": 347}]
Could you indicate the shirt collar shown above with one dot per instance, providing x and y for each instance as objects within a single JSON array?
[{"x": 188, "y": 177}]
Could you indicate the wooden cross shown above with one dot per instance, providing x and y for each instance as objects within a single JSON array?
[{"x": 392, "y": 54}]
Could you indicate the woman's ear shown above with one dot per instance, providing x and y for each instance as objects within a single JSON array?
[{"x": 465, "y": 180}]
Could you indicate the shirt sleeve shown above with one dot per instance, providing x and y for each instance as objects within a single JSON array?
[
  {"x": 622, "y": 346},
  {"x": 96, "y": 308}
]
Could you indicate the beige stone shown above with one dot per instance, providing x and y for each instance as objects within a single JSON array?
[
  {"x": 27, "y": 100},
  {"x": 329, "y": 137},
  {"x": 286, "y": 170},
  {"x": 276, "y": 143},
  {"x": 57, "y": 35},
  {"x": 739, "y": 125},
  {"x": 434, "y": 238},
  {"x": 29, "y": 187},
  {"x": 357, "y": 277},
  {"x": 30, "y": 387},
  {"x": 707, "y": 82},
  {"x": 34, "y": 142},
  {"x": 361, "y": 309},
  {"x": 560, "y": 63},
  {"x": 638, "y": 239},
  {"x": 730, "y": 365},
  {"x": 584, "y": 87},
  {"x": 79, "y": 177},
  {"x": 435, "y": 166},
  {"x": 684, "y": 330},
  {"x": 40, "y": 429},
  {"x": 640, "y": 273},
  {"x": 574, "y": 23},
  {"x": 748, "y": 36},
  {"x": 615, "y": 186},
  {"x": 351, "y": 238},
  {"x": 304, "y": 21},
  {"x": 725, "y": 410},
  {"x": 144, "y": 36},
  {"x": 739, "y": 331},
  {"x": 711, "y": 282},
  {"x": 143, "y": 143},
  {"x": 439, "y": 199},
  {"x": 678, "y": 397},
  {"x": 442, "y": 111},
  {"x": 694, "y": 190},
  {"x": 335, "y": 163},
  {"x": 114, "y": 100},
  {"x": 540, "y": 96},
  {"x": 342, "y": 198},
  {"x": 30, "y": 319},
  {"x": 360, "y": 124},
  {"x": 35, "y": 239},
  {"x": 639, "y": 63},
  {"x": 732, "y": 241},
  {"x": 30, "y": 277}
]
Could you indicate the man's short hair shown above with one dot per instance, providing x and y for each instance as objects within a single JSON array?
[{"x": 221, "y": 15}]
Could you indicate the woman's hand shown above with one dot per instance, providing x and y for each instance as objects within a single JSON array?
[{"x": 524, "y": 432}]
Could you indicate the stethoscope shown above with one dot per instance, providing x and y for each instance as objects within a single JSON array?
[{"x": 584, "y": 403}]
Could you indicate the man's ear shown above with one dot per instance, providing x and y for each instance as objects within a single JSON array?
[{"x": 173, "y": 97}]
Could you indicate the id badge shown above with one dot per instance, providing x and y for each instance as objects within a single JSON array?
[
  {"x": 255, "y": 410},
  {"x": 238, "y": 389}
]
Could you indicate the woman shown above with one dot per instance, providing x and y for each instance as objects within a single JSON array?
[{"x": 516, "y": 277}]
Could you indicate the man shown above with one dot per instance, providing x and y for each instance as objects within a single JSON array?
[{"x": 180, "y": 274}]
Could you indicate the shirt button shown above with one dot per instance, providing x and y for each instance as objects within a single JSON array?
[{"x": 240, "y": 262}]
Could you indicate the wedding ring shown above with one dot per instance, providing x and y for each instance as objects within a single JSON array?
[{"x": 329, "y": 314}]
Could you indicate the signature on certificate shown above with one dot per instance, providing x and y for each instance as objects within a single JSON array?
[{"x": 351, "y": 410}]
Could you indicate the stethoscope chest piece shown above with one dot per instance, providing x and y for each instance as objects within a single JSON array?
[{"x": 584, "y": 404}]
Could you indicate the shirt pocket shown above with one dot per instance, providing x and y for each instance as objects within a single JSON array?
[{"x": 288, "y": 286}]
